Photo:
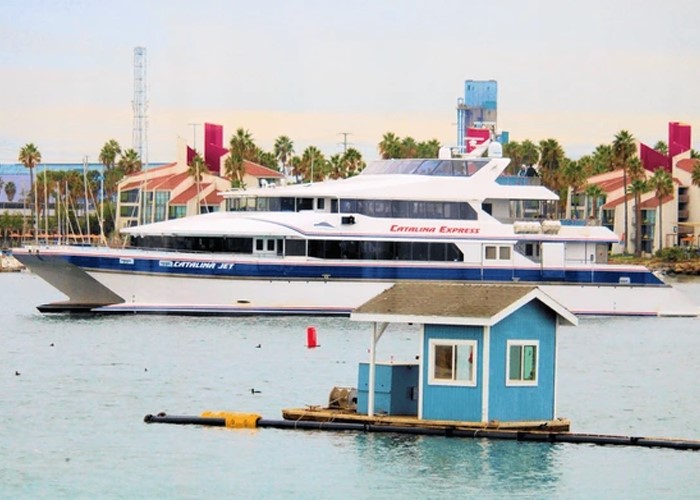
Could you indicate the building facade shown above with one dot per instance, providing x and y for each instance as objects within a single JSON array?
[{"x": 673, "y": 220}]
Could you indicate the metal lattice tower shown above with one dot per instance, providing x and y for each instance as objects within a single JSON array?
[{"x": 140, "y": 106}]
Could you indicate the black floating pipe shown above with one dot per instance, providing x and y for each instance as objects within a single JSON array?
[
  {"x": 168, "y": 419},
  {"x": 550, "y": 437}
]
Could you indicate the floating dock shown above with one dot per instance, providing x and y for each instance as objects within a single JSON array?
[
  {"x": 403, "y": 425},
  {"x": 317, "y": 414}
]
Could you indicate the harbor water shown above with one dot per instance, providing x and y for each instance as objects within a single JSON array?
[{"x": 74, "y": 391}]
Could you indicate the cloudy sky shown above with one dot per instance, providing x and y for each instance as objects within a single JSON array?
[{"x": 575, "y": 71}]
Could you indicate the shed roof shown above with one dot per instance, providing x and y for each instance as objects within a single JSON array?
[{"x": 454, "y": 303}]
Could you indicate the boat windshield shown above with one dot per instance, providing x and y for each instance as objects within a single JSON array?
[{"x": 458, "y": 167}]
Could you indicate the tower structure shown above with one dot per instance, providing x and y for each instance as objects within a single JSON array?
[
  {"x": 477, "y": 109},
  {"x": 140, "y": 106}
]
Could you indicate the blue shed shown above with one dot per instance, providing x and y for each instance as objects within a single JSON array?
[{"x": 487, "y": 352}]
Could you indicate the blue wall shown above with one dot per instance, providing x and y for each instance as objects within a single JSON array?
[
  {"x": 534, "y": 321},
  {"x": 444, "y": 402}
]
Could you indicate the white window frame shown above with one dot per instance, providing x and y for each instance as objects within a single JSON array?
[
  {"x": 433, "y": 343},
  {"x": 498, "y": 250},
  {"x": 523, "y": 343}
]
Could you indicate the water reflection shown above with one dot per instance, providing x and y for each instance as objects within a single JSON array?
[{"x": 481, "y": 465}]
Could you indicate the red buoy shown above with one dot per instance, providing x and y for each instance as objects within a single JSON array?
[{"x": 311, "y": 340}]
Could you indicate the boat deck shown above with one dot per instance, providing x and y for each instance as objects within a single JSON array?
[{"x": 318, "y": 414}]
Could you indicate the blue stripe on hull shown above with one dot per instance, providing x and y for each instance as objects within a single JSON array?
[{"x": 361, "y": 272}]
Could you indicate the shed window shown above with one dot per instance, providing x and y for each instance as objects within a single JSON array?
[
  {"x": 452, "y": 362},
  {"x": 522, "y": 362}
]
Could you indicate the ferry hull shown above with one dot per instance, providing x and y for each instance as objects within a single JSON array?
[{"x": 201, "y": 292}]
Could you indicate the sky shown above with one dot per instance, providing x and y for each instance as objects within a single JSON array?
[{"x": 316, "y": 70}]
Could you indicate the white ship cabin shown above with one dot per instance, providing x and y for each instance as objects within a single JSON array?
[{"x": 412, "y": 209}]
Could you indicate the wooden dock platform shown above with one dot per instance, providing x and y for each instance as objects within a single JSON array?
[{"x": 318, "y": 414}]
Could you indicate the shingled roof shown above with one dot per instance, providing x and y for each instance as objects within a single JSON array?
[{"x": 453, "y": 303}]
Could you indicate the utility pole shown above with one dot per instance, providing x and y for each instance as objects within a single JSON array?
[{"x": 345, "y": 140}]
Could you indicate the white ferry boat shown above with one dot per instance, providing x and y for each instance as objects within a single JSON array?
[{"x": 326, "y": 248}]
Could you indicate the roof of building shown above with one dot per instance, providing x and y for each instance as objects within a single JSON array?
[
  {"x": 453, "y": 303},
  {"x": 654, "y": 202},
  {"x": 687, "y": 164},
  {"x": 257, "y": 170},
  {"x": 615, "y": 202},
  {"x": 187, "y": 194},
  {"x": 213, "y": 198}
]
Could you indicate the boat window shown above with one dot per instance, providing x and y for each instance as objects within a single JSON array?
[
  {"x": 490, "y": 253},
  {"x": 400, "y": 209},
  {"x": 417, "y": 210},
  {"x": 521, "y": 364},
  {"x": 445, "y": 168},
  {"x": 287, "y": 204},
  {"x": 382, "y": 208},
  {"x": 434, "y": 210},
  {"x": 427, "y": 167},
  {"x": 466, "y": 212},
  {"x": 403, "y": 250},
  {"x": 295, "y": 247},
  {"x": 320, "y": 203},
  {"x": 305, "y": 204},
  {"x": 274, "y": 204},
  {"x": 459, "y": 168},
  {"x": 406, "y": 166},
  {"x": 259, "y": 245},
  {"x": 493, "y": 252},
  {"x": 348, "y": 206},
  {"x": 420, "y": 251},
  {"x": 437, "y": 252},
  {"x": 238, "y": 245},
  {"x": 504, "y": 253}
]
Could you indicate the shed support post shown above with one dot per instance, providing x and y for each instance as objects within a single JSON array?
[{"x": 377, "y": 331}]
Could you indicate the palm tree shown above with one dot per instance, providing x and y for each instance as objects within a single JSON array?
[
  {"x": 603, "y": 159},
  {"x": 354, "y": 164},
  {"x": 10, "y": 191},
  {"x": 409, "y": 147},
  {"x": 266, "y": 159},
  {"x": 530, "y": 153},
  {"x": 428, "y": 149},
  {"x": 661, "y": 147},
  {"x": 574, "y": 177},
  {"x": 513, "y": 150},
  {"x": 108, "y": 157},
  {"x": 638, "y": 186},
  {"x": 197, "y": 170},
  {"x": 390, "y": 146},
  {"x": 284, "y": 149},
  {"x": 695, "y": 174},
  {"x": 623, "y": 149},
  {"x": 336, "y": 167},
  {"x": 551, "y": 162},
  {"x": 30, "y": 157},
  {"x": 129, "y": 163},
  {"x": 594, "y": 192},
  {"x": 313, "y": 165},
  {"x": 241, "y": 148},
  {"x": 662, "y": 183}
]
